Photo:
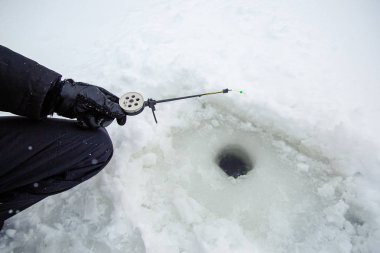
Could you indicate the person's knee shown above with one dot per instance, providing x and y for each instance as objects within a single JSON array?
[
  {"x": 103, "y": 149},
  {"x": 97, "y": 151},
  {"x": 91, "y": 153}
]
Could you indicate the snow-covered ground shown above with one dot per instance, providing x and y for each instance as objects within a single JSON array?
[{"x": 309, "y": 118}]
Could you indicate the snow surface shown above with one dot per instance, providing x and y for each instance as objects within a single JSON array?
[{"x": 309, "y": 118}]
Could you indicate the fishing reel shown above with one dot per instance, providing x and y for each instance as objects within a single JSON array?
[{"x": 133, "y": 103}]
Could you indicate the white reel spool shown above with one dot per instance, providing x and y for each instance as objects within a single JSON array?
[{"x": 132, "y": 103}]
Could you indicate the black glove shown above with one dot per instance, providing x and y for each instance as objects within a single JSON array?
[{"x": 93, "y": 106}]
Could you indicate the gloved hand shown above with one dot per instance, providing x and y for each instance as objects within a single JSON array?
[{"x": 92, "y": 106}]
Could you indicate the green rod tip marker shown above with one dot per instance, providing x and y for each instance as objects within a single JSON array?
[{"x": 241, "y": 92}]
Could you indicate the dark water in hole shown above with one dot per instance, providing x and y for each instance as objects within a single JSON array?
[{"x": 234, "y": 161}]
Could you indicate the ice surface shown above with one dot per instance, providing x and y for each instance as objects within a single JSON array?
[{"x": 308, "y": 117}]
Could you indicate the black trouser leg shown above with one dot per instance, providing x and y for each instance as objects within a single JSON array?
[{"x": 42, "y": 158}]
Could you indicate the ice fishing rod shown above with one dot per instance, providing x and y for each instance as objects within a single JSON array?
[{"x": 133, "y": 103}]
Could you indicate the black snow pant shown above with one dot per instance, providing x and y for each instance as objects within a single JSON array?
[{"x": 42, "y": 158}]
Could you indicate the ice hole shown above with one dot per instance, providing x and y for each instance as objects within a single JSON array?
[{"x": 234, "y": 161}]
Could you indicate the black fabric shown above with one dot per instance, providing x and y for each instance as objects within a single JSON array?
[
  {"x": 23, "y": 84},
  {"x": 52, "y": 97},
  {"x": 41, "y": 158}
]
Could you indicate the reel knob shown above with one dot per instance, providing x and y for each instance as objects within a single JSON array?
[{"x": 132, "y": 103}]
